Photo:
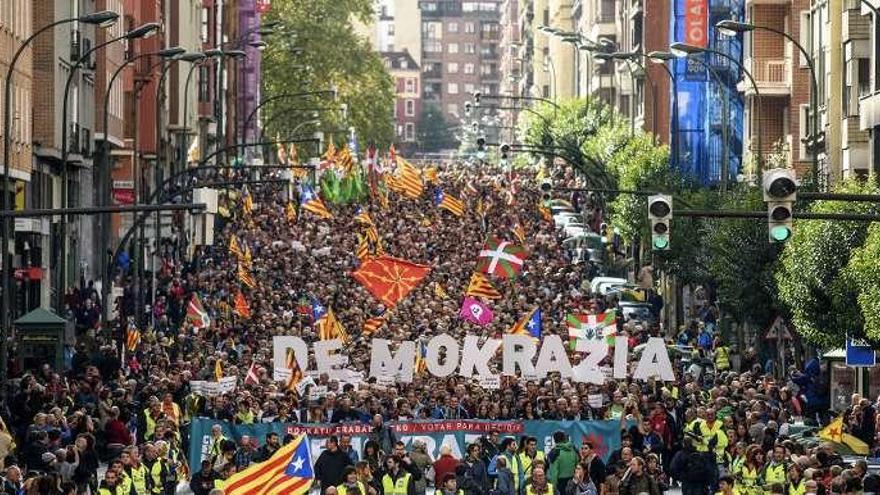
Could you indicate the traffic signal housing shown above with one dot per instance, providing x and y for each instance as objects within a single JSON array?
[
  {"x": 546, "y": 190},
  {"x": 780, "y": 193},
  {"x": 660, "y": 215}
]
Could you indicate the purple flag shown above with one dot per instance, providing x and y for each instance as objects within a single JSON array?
[{"x": 475, "y": 312}]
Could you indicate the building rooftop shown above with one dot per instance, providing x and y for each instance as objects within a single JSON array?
[{"x": 399, "y": 60}]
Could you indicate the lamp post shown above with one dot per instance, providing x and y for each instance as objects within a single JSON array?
[
  {"x": 333, "y": 91},
  {"x": 143, "y": 31},
  {"x": 184, "y": 138},
  {"x": 682, "y": 50},
  {"x": 606, "y": 57},
  {"x": 634, "y": 57},
  {"x": 660, "y": 58},
  {"x": 732, "y": 28},
  {"x": 104, "y": 19}
]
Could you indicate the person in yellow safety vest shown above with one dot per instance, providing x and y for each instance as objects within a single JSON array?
[
  {"x": 171, "y": 409},
  {"x": 225, "y": 473},
  {"x": 722, "y": 356},
  {"x": 508, "y": 451},
  {"x": 748, "y": 481},
  {"x": 397, "y": 481},
  {"x": 151, "y": 415},
  {"x": 727, "y": 486},
  {"x": 137, "y": 472},
  {"x": 155, "y": 469},
  {"x": 109, "y": 485},
  {"x": 350, "y": 484},
  {"x": 776, "y": 470},
  {"x": 528, "y": 456},
  {"x": 714, "y": 438},
  {"x": 539, "y": 484},
  {"x": 448, "y": 486},
  {"x": 797, "y": 485},
  {"x": 123, "y": 481},
  {"x": 217, "y": 439}
]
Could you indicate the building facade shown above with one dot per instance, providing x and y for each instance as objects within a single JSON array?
[{"x": 408, "y": 102}]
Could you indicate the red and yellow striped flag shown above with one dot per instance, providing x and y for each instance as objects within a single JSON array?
[
  {"x": 296, "y": 374},
  {"x": 329, "y": 327},
  {"x": 363, "y": 248},
  {"x": 288, "y": 472},
  {"x": 132, "y": 339},
  {"x": 363, "y": 217},
  {"x": 218, "y": 369},
  {"x": 247, "y": 203},
  {"x": 480, "y": 286},
  {"x": 247, "y": 258},
  {"x": 372, "y": 234},
  {"x": 290, "y": 212},
  {"x": 519, "y": 232},
  {"x": 409, "y": 180},
  {"x": 372, "y": 325},
  {"x": 242, "y": 308},
  {"x": 545, "y": 212},
  {"x": 439, "y": 291},
  {"x": 245, "y": 277},
  {"x": 234, "y": 248}
]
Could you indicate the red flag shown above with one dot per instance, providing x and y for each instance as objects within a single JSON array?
[
  {"x": 252, "y": 378},
  {"x": 390, "y": 279}
]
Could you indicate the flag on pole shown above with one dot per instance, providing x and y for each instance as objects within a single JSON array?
[
  {"x": 421, "y": 364},
  {"x": 218, "y": 370},
  {"x": 480, "y": 286},
  {"x": 439, "y": 291},
  {"x": 363, "y": 217},
  {"x": 475, "y": 312},
  {"x": 835, "y": 433},
  {"x": 296, "y": 374},
  {"x": 390, "y": 279},
  {"x": 530, "y": 324},
  {"x": 196, "y": 314},
  {"x": 234, "y": 248},
  {"x": 592, "y": 327},
  {"x": 247, "y": 201},
  {"x": 409, "y": 180},
  {"x": 310, "y": 201},
  {"x": 252, "y": 377},
  {"x": 288, "y": 472},
  {"x": 290, "y": 212},
  {"x": 372, "y": 325},
  {"x": 430, "y": 175},
  {"x": 519, "y": 232},
  {"x": 241, "y": 306},
  {"x": 327, "y": 324},
  {"x": 363, "y": 248},
  {"x": 245, "y": 277},
  {"x": 449, "y": 203},
  {"x": 545, "y": 212},
  {"x": 132, "y": 338},
  {"x": 501, "y": 258}
]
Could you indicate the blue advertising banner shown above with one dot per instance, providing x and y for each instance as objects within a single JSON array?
[{"x": 604, "y": 435}]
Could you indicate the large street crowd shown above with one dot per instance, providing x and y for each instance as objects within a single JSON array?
[{"x": 721, "y": 427}]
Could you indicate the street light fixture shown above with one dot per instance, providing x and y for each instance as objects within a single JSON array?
[
  {"x": 659, "y": 57},
  {"x": 234, "y": 53},
  {"x": 259, "y": 45},
  {"x": 730, "y": 27},
  {"x": 102, "y": 19}
]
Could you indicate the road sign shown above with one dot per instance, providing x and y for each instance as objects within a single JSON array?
[
  {"x": 778, "y": 330},
  {"x": 859, "y": 353}
]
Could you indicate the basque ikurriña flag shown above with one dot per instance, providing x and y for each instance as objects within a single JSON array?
[{"x": 501, "y": 258}]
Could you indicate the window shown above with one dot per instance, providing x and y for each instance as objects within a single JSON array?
[
  {"x": 452, "y": 27},
  {"x": 470, "y": 48},
  {"x": 432, "y": 30},
  {"x": 428, "y": 6},
  {"x": 469, "y": 88},
  {"x": 205, "y": 23},
  {"x": 469, "y": 27},
  {"x": 410, "y": 132},
  {"x": 546, "y": 16},
  {"x": 452, "y": 67},
  {"x": 487, "y": 69},
  {"x": 804, "y": 36},
  {"x": 203, "y": 84},
  {"x": 864, "y": 76},
  {"x": 410, "y": 108},
  {"x": 452, "y": 108},
  {"x": 390, "y": 29},
  {"x": 452, "y": 88},
  {"x": 433, "y": 46},
  {"x": 468, "y": 68},
  {"x": 452, "y": 48},
  {"x": 403, "y": 63},
  {"x": 803, "y": 131},
  {"x": 410, "y": 85}
]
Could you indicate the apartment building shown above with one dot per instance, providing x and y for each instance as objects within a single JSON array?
[
  {"x": 868, "y": 82},
  {"x": 460, "y": 52},
  {"x": 392, "y": 28},
  {"x": 408, "y": 105}
]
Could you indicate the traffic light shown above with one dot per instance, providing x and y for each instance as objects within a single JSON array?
[
  {"x": 467, "y": 109},
  {"x": 505, "y": 150},
  {"x": 660, "y": 214},
  {"x": 481, "y": 144},
  {"x": 546, "y": 190},
  {"x": 780, "y": 193},
  {"x": 603, "y": 233},
  {"x": 477, "y": 97}
]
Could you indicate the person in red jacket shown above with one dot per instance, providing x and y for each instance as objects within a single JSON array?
[
  {"x": 116, "y": 430},
  {"x": 445, "y": 464}
]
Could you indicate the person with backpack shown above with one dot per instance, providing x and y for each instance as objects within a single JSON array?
[
  {"x": 563, "y": 459},
  {"x": 697, "y": 471}
]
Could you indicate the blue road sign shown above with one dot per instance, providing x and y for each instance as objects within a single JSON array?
[{"x": 859, "y": 353}]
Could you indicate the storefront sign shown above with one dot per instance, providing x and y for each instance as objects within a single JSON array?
[{"x": 696, "y": 19}]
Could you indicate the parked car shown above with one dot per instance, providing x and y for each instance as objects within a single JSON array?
[
  {"x": 637, "y": 311},
  {"x": 603, "y": 285}
]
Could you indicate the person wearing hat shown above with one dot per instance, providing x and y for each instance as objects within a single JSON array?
[{"x": 350, "y": 484}]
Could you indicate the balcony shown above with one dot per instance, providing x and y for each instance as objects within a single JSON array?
[
  {"x": 73, "y": 139},
  {"x": 869, "y": 111},
  {"x": 772, "y": 76}
]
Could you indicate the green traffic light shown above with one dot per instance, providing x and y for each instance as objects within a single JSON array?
[
  {"x": 780, "y": 233},
  {"x": 661, "y": 242}
]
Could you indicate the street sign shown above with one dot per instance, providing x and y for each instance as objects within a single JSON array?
[
  {"x": 859, "y": 354},
  {"x": 778, "y": 330}
]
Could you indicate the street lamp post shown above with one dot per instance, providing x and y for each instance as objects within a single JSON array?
[
  {"x": 105, "y": 18},
  {"x": 685, "y": 50},
  {"x": 333, "y": 91},
  {"x": 660, "y": 59},
  {"x": 143, "y": 31},
  {"x": 731, "y": 28},
  {"x": 632, "y": 118}
]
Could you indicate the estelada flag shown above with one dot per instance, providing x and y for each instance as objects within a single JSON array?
[
  {"x": 241, "y": 306},
  {"x": 330, "y": 328},
  {"x": 288, "y": 472},
  {"x": 480, "y": 286},
  {"x": 196, "y": 314},
  {"x": 390, "y": 279},
  {"x": 501, "y": 258},
  {"x": 233, "y": 246}
]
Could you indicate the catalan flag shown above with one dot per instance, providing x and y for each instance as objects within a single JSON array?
[
  {"x": 327, "y": 324},
  {"x": 310, "y": 201},
  {"x": 409, "y": 180},
  {"x": 296, "y": 374},
  {"x": 345, "y": 162},
  {"x": 430, "y": 175},
  {"x": 247, "y": 258},
  {"x": 530, "y": 324},
  {"x": 363, "y": 248},
  {"x": 218, "y": 369},
  {"x": 132, "y": 338},
  {"x": 242, "y": 308},
  {"x": 519, "y": 232},
  {"x": 372, "y": 325},
  {"x": 372, "y": 234},
  {"x": 196, "y": 314},
  {"x": 288, "y": 472},
  {"x": 439, "y": 291},
  {"x": 480, "y": 286},
  {"x": 363, "y": 217},
  {"x": 290, "y": 212},
  {"x": 247, "y": 202},
  {"x": 234, "y": 248},
  {"x": 449, "y": 203},
  {"x": 545, "y": 212},
  {"x": 421, "y": 365},
  {"x": 245, "y": 277}
]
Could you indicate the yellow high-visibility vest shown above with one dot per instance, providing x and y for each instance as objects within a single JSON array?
[
  {"x": 343, "y": 490},
  {"x": 530, "y": 490},
  {"x": 399, "y": 487}
]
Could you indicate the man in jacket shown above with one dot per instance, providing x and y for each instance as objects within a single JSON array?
[
  {"x": 396, "y": 480},
  {"x": 508, "y": 452},
  {"x": 636, "y": 481},
  {"x": 203, "y": 481},
  {"x": 108, "y": 485},
  {"x": 331, "y": 464},
  {"x": 563, "y": 459},
  {"x": 475, "y": 472},
  {"x": 695, "y": 470},
  {"x": 382, "y": 435},
  {"x": 268, "y": 449},
  {"x": 12, "y": 482}
]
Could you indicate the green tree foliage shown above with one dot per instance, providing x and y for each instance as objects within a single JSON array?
[
  {"x": 827, "y": 278},
  {"x": 332, "y": 54},
  {"x": 432, "y": 130},
  {"x": 863, "y": 274}
]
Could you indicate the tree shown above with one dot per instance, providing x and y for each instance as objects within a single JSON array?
[
  {"x": 327, "y": 52},
  {"x": 825, "y": 278},
  {"x": 433, "y": 130}
]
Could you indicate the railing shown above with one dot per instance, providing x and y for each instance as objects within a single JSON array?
[{"x": 770, "y": 73}]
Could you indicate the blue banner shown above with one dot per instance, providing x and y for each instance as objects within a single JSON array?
[{"x": 604, "y": 435}]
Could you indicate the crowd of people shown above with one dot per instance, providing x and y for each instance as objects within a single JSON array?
[{"x": 727, "y": 430}]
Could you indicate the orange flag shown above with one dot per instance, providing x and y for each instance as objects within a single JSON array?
[
  {"x": 390, "y": 279},
  {"x": 241, "y": 306}
]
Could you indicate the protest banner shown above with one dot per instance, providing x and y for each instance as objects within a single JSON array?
[
  {"x": 604, "y": 435},
  {"x": 222, "y": 386}
]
